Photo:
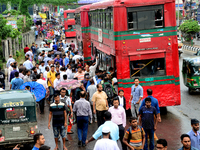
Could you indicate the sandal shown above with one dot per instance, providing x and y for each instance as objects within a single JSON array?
[
  {"x": 56, "y": 148},
  {"x": 64, "y": 148},
  {"x": 71, "y": 132}
]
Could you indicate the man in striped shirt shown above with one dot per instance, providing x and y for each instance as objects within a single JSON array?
[
  {"x": 80, "y": 74},
  {"x": 137, "y": 138}
]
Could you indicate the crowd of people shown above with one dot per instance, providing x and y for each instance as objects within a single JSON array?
[{"x": 97, "y": 99}]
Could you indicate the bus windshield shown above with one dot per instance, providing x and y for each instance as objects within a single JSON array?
[{"x": 70, "y": 15}]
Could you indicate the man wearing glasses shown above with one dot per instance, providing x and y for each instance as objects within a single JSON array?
[
  {"x": 161, "y": 144},
  {"x": 136, "y": 97}
]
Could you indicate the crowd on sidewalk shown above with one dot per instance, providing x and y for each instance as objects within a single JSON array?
[{"x": 97, "y": 100}]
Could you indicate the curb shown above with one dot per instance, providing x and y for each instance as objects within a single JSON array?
[{"x": 191, "y": 48}]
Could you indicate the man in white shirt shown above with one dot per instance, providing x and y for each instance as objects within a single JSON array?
[
  {"x": 69, "y": 70},
  {"x": 9, "y": 61},
  {"x": 105, "y": 143},
  {"x": 62, "y": 72},
  {"x": 30, "y": 53},
  {"x": 10, "y": 69},
  {"x": 57, "y": 80},
  {"x": 44, "y": 83},
  {"x": 94, "y": 67},
  {"x": 42, "y": 67},
  {"x": 119, "y": 118},
  {"x": 45, "y": 73}
]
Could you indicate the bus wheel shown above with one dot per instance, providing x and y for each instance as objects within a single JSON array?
[
  {"x": 190, "y": 91},
  {"x": 163, "y": 110}
]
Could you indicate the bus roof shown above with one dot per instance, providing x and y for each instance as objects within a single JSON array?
[
  {"x": 128, "y": 3},
  {"x": 15, "y": 98},
  {"x": 69, "y": 11},
  {"x": 83, "y": 8}
]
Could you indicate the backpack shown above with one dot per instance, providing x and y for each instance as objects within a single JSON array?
[
  {"x": 108, "y": 90},
  {"x": 130, "y": 133}
]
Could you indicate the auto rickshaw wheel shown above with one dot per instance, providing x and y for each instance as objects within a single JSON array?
[{"x": 190, "y": 91}]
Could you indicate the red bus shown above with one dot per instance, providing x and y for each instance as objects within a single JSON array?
[
  {"x": 69, "y": 22},
  {"x": 139, "y": 39},
  {"x": 83, "y": 31}
]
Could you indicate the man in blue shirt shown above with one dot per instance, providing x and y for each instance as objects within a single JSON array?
[
  {"x": 46, "y": 59},
  {"x": 186, "y": 141},
  {"x": 28, "y": 64},
  {"x": 36, "y": 34},
  {"x": 136, "y": 97},
  {"x": 154, "y": 103},
  {"x": 195, "y": 134},
  {"x": 58, "y": 59},
  {"x": 147, "y": 114},
  {"x": 16, "y": 82},
  {"x": 38, "y": 140},
  {"x": 114, "y": 129},
  {"x": 55, "y": 46},
  {"x": 33, "y": 48}
]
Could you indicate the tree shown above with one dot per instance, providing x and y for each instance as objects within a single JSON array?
[
  {"x": 189, "y": 28},
  {"x": 23, "y": 4}
]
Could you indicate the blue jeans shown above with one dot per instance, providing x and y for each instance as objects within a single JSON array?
[
  {"x": 34, "y": 56},
  {"x": 51, "y": 89},
  {"x": 59, "y": 131},
  {"x": 149, "y": 132},
  {"x": 82, "y": 125}
]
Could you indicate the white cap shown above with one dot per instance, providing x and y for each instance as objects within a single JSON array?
[{"x": 106, "y": 129}]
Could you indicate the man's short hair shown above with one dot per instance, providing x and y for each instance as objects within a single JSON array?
[
  {"x": 27, "y": 71},
  {"x": 148, "y": 99},
  {"x": 82, "y": 94},
  {"x": 37, "y": 137},
  {"x": 38, "y": 76},
  {"x": 184, "y": 135},
  {"x": 121, "y": 90},
  {"x": 65, "y": 77},
  {"x": 136, "y": 79},
  {"x": 149, "y": 91},
  {"x": 163, "y": 142},
  {"x": 57, "y": 74},
  {"x": 107, "y": 115},
  {"x": 56, "y": 95},
  {"x": 16, "y": 74},
  {"x": 132, "y": 118}
]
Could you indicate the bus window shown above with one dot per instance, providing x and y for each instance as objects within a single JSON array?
[
  {"x": 15, "y": 113},
  {"x": 132, "y": 20},
  {"x": 78, "y": 19},
  {"x": 111, "y": 21},
  {"x": 150, "y": 67},
  {"x": 70, "y": 15},
  {"x": 107, "y": 20},
  {"x": 90, "y": 19},
  {"x": 147, "y": 17},
  {"x": 103, "y": 21},
  {"x": 70, "y": 27}
]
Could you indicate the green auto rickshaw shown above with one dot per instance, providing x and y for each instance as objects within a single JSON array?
[
  {"x": 191, "y": 73},
  {"x": 18, "y": 122}
]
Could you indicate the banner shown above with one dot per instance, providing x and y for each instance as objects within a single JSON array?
[{"x": 43, "y": 15}]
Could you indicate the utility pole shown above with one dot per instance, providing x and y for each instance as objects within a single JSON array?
[{"x": 190, "y": 9}]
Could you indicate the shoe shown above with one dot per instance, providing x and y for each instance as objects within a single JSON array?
[
  {"x": 84, "y": 145},
  {"x": 79, "y": 143}
]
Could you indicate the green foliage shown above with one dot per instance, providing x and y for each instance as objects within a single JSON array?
[
  {"x": 12, "y": 12},
  {"x": 180, "y": 15},
  {"x": 189, "y": 28},
  {"x": 20, "y": 24},
  {"x": 4, "y": 29}
]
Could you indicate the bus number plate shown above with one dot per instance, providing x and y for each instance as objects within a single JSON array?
[
  {"x": 149, "y": 79},
  {"x": 16, "y": 128}
]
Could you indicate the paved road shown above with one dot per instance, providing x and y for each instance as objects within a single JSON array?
[{"x": 174, "y": 123}]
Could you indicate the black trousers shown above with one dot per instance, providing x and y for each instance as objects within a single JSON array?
[
  {"x": 100, "y": 115},
  {"x": 121, "y": 136},
  {"x": 41, "y": 105}
]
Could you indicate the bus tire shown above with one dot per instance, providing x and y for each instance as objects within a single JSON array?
[{"x": 163, "y": 110}]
